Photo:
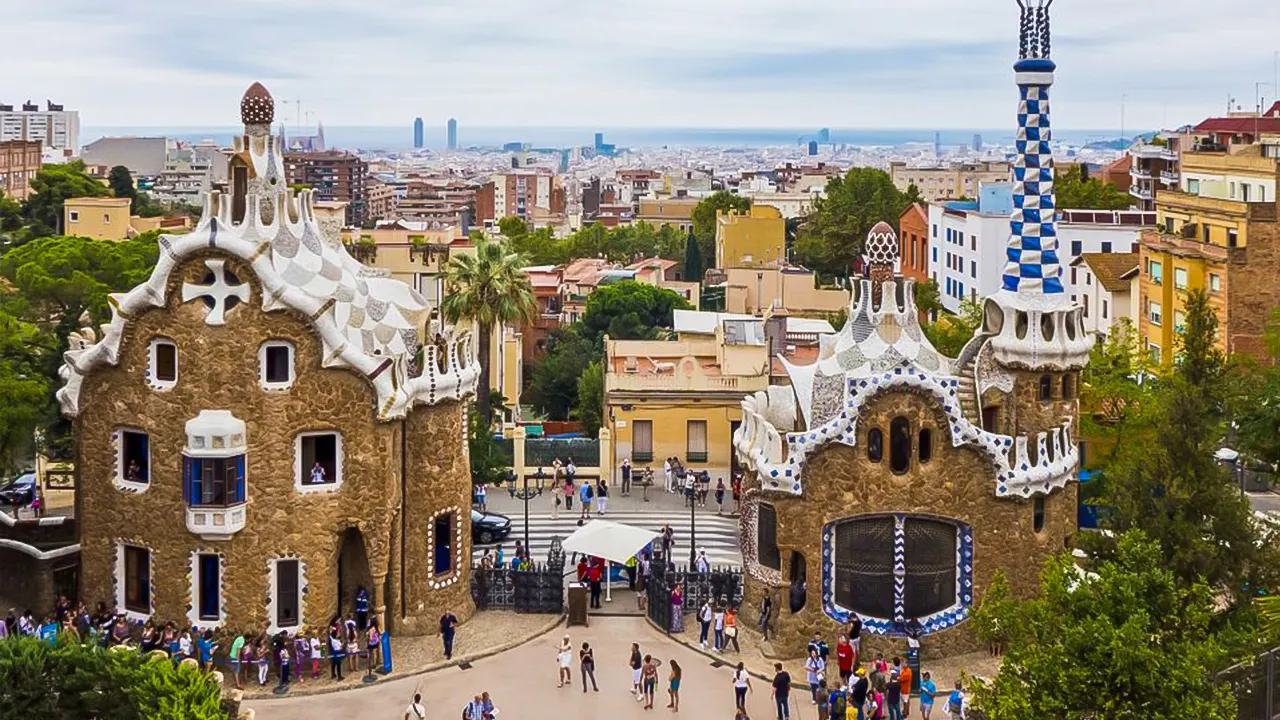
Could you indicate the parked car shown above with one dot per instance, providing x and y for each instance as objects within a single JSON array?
[
  {"x": 20, "y": 491},
  {"x": 489, "y": 527}
]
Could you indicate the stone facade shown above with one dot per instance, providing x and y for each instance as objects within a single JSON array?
[{"x": 219, "y": 368}]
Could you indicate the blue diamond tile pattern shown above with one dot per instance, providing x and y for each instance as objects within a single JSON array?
[{"x": 1032, "y": 265}]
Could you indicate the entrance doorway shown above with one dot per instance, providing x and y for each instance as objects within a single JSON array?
[{"x": 353, "y": 570}]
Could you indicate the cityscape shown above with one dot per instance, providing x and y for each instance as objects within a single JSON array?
[{"x": 952, "y": 364}]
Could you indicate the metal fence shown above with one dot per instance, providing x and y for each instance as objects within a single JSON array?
[
  {"x": 541, "y": 452},
  {"x": 721, "y": 585},
  {"x": 1256, "y": 686},
  {"x": 539, "y": 590}
]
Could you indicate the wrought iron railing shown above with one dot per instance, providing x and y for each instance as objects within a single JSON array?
[{"x": 1256, "y": 685}]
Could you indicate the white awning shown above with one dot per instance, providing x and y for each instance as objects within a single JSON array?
[{"x": 612, "y": 541}]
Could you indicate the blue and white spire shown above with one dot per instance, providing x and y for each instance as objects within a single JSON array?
[{"x": 1033, "y": 265}]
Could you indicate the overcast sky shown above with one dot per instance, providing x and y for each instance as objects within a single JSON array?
[{"x": 650, "y": 63}]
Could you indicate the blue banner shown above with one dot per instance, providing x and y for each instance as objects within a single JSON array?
[{"x": 386, "y": 653}]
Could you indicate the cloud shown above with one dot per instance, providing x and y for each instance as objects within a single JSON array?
[{"x": 720, "y": 63}]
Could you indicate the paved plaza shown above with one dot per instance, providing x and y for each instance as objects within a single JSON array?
[{"x": 522, "y": 683}]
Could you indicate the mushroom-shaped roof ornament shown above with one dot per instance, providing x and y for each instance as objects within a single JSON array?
[{"x": 257, "y": 107}]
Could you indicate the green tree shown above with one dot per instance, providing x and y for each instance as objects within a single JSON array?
[
  {"x": 1255, "y": 409},
  {"x": 1130, "y": 641},
  {"x": 590, "y": 406},
  {"x": 120, "y": 180},
  {"x": 1075, "y": 190},
  {"x": 1117, "y": 399},
  {"x": 489, "y": 289},
  {"x": 10, "y": 214},
  {"x": 630, "y": 310},
  {"x": 704, "y": 219},
  {"x": 25, "y": 352},
  {"x": 554, "y": 383},
  {"x": 69, "y": 681},
  {"x": 490, "y": 463},
  {"x": 53, "y": 185},
  {"x": 949, "y": 333},
  {"x": 929, "y": 299},
  {"x": 834, "y": 233},
  {"x": 692, "y": 260}
]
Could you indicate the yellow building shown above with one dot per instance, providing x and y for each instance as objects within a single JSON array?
[
  {"x": 677, "y": 212},
  {"x": 414, "y": 253},
  {"x": 755, "y": 290},
  {"x": 751, "y": 239},
  {"x": 99, "y": 218},
  {"x": 948, "y": 181},
  {"x": 1217, "y": 231},
  {"x": 683, "y": 398}
]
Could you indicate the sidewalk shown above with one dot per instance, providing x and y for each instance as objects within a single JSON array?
[
  {"x": 500, "y": 500},
  {"x": 944, "y": 671},
  {"x": 487, "y": 633}
]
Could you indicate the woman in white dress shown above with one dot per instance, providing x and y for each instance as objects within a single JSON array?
[{"x": 564, "y": 658}]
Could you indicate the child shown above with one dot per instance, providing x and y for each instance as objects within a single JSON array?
[
  {"x": 301, "y": 652},
  {"x": 264, "y": 656},
  {"x": 284, "y": 667},
  {"x": 353, "y": 649},
  {"x": 315, "y": 657}
]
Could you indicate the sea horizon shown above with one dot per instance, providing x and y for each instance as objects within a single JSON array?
[{"x": 399, "y": 138}]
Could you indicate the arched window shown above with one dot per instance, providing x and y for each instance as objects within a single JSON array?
[
  {"x": 1066, "y": 386},
  {"x": 899, "y": 445},
  {"x": 875, "y": 445},
  {"x": 926, "y": 445},
  {"x": 767, "y": 552},
  {"x": 1037, "y": 515},
  {"x": 799, "y": 586},
  {"x": 1046, "y": 388}
]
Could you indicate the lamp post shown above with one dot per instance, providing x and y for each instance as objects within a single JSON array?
[
  {"x": 691, "y": 493},
  {"x": 525, "y": 493}
]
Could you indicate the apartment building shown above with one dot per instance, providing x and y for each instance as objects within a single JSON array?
[
  {"x": 950, "y": 181},
  {"x": 55, "y": 128},
  {"x": 380, "y": 199},
  {"x": 677, "y": 212},
  {"x": 144, "y": 156},
  {"x": 20, "y": 160},
  {"x": 752, "y": 238},
  {"x": 1108, "y": 290},
  {"x": 443, "y": 200},
  {"x": 1218, "y": 231},
  {"x": 189, "y": 172},
  {"x": 913, "y": 243},
  {"x": 334, "y": 175},
  {"x": 414, "y": 253},
  {"x": 536, "y": 197},
  {"x": 1153, "y": 168},
  {"x": 98, "y": 218}
]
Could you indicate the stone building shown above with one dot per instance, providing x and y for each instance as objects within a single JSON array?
[
  {"x": 891, "y": 483},
  {"x": 255, "y": 438}
]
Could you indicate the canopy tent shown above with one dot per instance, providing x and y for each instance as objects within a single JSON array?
[{"x": 612, "y": 541}]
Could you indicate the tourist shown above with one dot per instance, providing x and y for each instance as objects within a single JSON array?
[
  {"x": 649, "y": 679},
  {"x": 237, "y": 649},
  {"x": 855, "y": 637},
  {"x": 668, "y": 542},
  {"x": 315, "y": 656},
  {"x": 701, "y": 564},
  {"x": 677, "y": 609},
  {"x": 904, "y": 684},
  {"x": 568, "y": 495},
  {"x": 262, "y": 656},
  {"x": 673, "y": 692},
  {"x": 336, "y": 648},
  {"x": 736, "y": 485},
  {"x": 284, "y": 668},
  {"x": 587, "y": 661},
  {"x": 817, "y": 643},
  {"x": 150, "y": 637},
  {"x": 374, "y": 644},
  {"x": 602, "y": 497},
  {"x": 353, "y": 649},
  {"x": 781, "y": 691},
  {"x": 362, "y": 608},
  {"x": 570, "y": 471},
  {"x": 814, "y": 666},
  {"x": 824, "y": 699},
  {"x": 475, "y": 709},
  {"x": 585, "y": 493},
  {"x": 564, "y": 662},
  {"x": 482, "y": 497},
  {"x": 248, "y": 661},
  {"x": 595, "y": 574},
  {"x": 317, "y": 474},
  {"x": 186, "y": 648},
  {"x": 766, "y": 609},
  {"x": 838, "y": 703},
  {"x": 893, "y": 693},
  {"x": 927, "y": 691},
  {"x": 717, "y": 626},
  {"x": 689, "y": 492},
  {"x": 557, "y": 471},
  {"x": 705, "y": 616},
  {"x": 956, "y": 702},
  {"x": 741, "y": 686},
  {"x": 844, "y": 659},
  {"x": 556, "y": 502},
  {"x": 415, "y": 711},
  {"x": 448, "y": 621},
  {"x": 626, "y": 476},
  {"x": 489, "y": 712},
  {"x": 731, "y": 628},
  {"x": 666, "y": 471},
  {"x": 879, "y": 665},
  {"x": 205, "y": 647},
  {"x": 720, "y": 496},
  {"x": 858, "y": 692},
  {"x": 875, "y": 704},
  {"x": 637, "y": 663}
]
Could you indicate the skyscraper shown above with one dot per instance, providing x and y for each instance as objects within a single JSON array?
[
  {"x": 453, "y": 134},
  {"x": 977, "y": 143},
  {"x": 824, "y": 135},
  {"x": 417, "y": 133},
  {"x": 937, "y": 144}
]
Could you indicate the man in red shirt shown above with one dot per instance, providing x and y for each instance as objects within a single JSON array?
[
  {"x": 595, "y": 573},
  {"x": 844, "y": 658}
]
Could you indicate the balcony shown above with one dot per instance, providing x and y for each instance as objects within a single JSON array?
[
  {"x": 214, "y": 524},
  {"x": 1140, "y": 173},
  {"x": 1140, "y": 192},
  {"x": 679, "y": 382},
  {"x": 1153, "y": 152},
  {"x": 1169, "y": 178}
]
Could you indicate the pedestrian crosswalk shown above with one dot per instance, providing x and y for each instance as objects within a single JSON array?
[{"x": 718, "y": 534}]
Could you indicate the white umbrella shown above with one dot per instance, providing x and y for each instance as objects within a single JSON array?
[{"x": 612, "y": 541}]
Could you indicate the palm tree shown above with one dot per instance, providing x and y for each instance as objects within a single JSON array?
[{"x": 489, "y": 289}]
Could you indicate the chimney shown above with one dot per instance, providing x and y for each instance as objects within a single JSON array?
[{"x": 775, "y": 330}]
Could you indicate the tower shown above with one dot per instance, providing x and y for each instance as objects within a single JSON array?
[
  {"x": 417, "y": 133},
  {"x": 256, "y": 165},
  {"x": 453, "y": 134}
]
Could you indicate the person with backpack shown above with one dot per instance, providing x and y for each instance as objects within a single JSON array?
[
  {"x": 838, "y": 703},
  {"x": 859, "y": 691},
  {"x": 585, "y": 493},
  {"x": 893, "y": 696},
  {"x": 955, "y": 702}
]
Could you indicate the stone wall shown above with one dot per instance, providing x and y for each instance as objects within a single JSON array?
[
  {"x": 1252, "y": 291},
  {"x": 29, "y": 583},
  {"x": 957, "y": 483},
  {"x": 218, "y": 369}
]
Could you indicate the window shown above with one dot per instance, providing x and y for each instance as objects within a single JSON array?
[
  {"x": 1155, "y": 313},
  {"x": 1154, "y": 351},
  {"x": 990, "y": 417},
  {"x": 1180, "y": 278},
  {"x": 1046, "y": 388},
  {"x": 1106, "y": 247},
  {"x": 208, "y": 587},
  {"x": 214, "y": 482},
  {"x": 1193, "y": 187},
  {"x": 767, "y": 537},
  {"x": 642, "y": 440},
  {"x": 973, "y": 269},
  {"x": 442, "y": 543},
  {"x": 318, "y": 460},
  {"x": 864, "y": 578},
  {"x": 926, "y": 445},
  {"x": 137, "y": 579},
  {"x": 1244, "y": 191},
  {"x": 1077, "y": 246},
  {"x": 1215, "y": 283},
  {"x": 1233, "y": 237},
  {"x": 133, "y": 464},
  {"x": 899, "y": 445},
  {"x": 1157, "y": 272},
  {"x": 1104, "y": 308},
  {"x": 1086, "y": 305},
  {"x": 973, "y": 242},
  {"x": 288, "y": 594},
  {"x": 1066, "y": 387},
  {"x": 935, "y": 230},
  {"x": 935, "y": 255},
  {"x": 1037, "y": 514},
  {"x": 1073, "y": 276},
  {"x": 1231, "y": 193},
  {"x": 276, "y": 363},
  {"x": 73, "y": 215},
  {"x": 162, "y": 364},
  {"x": 1179, "y": 321},
  {"x": 875, "y": 445},
  {"x": 696, "y": 441},
  {"x": 106, "y": 219}
]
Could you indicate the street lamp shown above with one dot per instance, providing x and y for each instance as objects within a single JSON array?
[
  {"x": 692, "y": 494},
  {"x": 525, "y": 493}
]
